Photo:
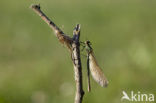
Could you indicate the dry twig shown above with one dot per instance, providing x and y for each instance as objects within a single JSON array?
[{"x": 74, "y": 47}]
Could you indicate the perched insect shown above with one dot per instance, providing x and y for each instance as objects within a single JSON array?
[{"x": 94, "y": 68}]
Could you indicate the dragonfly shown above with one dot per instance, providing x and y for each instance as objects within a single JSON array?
[{"x": 93, "y": 67}]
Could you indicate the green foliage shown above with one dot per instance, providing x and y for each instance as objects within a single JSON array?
[{"x": 35, "y": 68}]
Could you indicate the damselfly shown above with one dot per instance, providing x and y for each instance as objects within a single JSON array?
[{"x": 93, "y": 67}]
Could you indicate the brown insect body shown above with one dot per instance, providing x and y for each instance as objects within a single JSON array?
[{"x": 95, "y": 70}]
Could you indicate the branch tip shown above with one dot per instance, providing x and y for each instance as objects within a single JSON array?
[
  {"x": 77, "y": 28},
  {"x": 34, "y": 6}
]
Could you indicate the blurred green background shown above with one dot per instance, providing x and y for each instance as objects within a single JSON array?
[{"x": 36, "y": 68}]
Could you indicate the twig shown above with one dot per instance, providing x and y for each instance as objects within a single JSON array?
[
  {"x": 64, "y": 39},
  {"x": 73, "y": 45},
  {"x": 77, "y": 64}
]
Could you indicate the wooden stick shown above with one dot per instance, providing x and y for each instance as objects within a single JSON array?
[
  {"x": 77, "y": 64},
  {"x": 63, "y": 38},
  {"x": 73, "y": 45}
]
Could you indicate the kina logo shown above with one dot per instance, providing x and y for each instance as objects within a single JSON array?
[{"x": 137, "y": 96}]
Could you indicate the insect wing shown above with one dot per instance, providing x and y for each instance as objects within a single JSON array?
[{"x": 96, "y": 72}]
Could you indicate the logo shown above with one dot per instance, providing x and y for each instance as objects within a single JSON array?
[{"x": 137, "y": 96}]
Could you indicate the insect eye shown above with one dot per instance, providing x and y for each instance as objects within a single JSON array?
[{"x": 87, "y": 42}]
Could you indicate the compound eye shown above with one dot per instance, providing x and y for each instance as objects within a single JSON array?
[{"x": 88, "y": 42}]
